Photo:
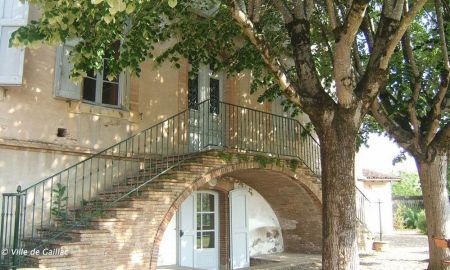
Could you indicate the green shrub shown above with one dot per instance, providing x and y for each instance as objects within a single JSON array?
[
  {"x": 421, "y": 224},
  {"x": 399, "y": 221},
  {"x": 409, "y": 217}
]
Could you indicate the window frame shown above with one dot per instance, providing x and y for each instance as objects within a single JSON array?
[
  {"x": 62, "y": 71},
  {"x": 99, "y": 89}
]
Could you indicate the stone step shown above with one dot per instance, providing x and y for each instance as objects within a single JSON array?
[
  {"x": 68, "y": 234},
  {"x": 51, "y": 244},
  {"x": 136, "y": 183},
  {"x": 110, "y": 212}
]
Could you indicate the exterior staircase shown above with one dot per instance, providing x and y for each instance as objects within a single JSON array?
[
  {"x": 113, "y": 233},
  {"x": 113, "y": 205}
]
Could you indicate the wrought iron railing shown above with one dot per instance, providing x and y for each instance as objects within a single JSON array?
[
  {"x": 144, "y": 157},
  {"x": 362, "y": 205}
]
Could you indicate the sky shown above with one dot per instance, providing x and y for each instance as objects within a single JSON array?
[{"x": 379, "y": 156}]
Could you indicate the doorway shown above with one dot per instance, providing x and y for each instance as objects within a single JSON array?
[
  {"x": 198, "y": 231},
  {"x": 205, "y": 91}
]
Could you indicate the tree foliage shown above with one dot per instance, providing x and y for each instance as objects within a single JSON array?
[
  {"x": 407, "y": 186},
  {"x": 414, "y": 106}
]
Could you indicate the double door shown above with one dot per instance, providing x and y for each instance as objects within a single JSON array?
[{"x": 204, "y": 96}]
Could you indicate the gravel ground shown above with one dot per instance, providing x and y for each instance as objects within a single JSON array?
[{"x": 407, "y": 250}]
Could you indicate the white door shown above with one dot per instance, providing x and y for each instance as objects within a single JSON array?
[
  {"x": 199, "y": 239},
  {"x": 204, "y": 96},
  {"x": 187, "y": 233},
  {"x": 239, "y": 229}
]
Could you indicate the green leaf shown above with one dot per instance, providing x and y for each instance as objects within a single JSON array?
[{"x": 172, "y": 3}]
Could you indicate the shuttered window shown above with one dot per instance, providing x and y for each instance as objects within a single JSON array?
[
  {"x": 95, "y": 88},
  {"x": 13, "y": 14}
]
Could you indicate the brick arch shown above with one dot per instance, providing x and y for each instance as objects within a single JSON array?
[{"x": 298, "y": 184}]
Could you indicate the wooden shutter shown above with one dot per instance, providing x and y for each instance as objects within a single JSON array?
[
  {"x": 63, "y": 86},
  {"x": 124, "y": 90},
  {"x": 13, "y": 14}
]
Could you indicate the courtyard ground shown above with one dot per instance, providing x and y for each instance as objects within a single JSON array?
[{"x": 407, "y": 250}]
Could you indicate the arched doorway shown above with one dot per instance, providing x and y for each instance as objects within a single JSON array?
[
  {"x": 221, "y": 228},
  {"x": 292, "y": 195}
]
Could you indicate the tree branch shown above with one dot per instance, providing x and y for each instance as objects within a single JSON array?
[
  {"x": 401, "y": 29},
  {"x": 331, "y": 14},
  {"x": 442, "y": 138},
  {"x": 289, "y": 89},
  {"x": 256, "y": 11},
  {"x": 287, "y": 16},
  {"x": 415, "y": 83},
  {"x": 250, "y": 9},
  {"x": 445, "y": 78},
  {"x": 443, "y": 41},
  {"x": 303, "y": 9},
  {"x": 310, "y": 85},
  {"x": 342, "y": 57},
  {"x": 401, "y": 136},
  {"x": 376, "y": 74}
]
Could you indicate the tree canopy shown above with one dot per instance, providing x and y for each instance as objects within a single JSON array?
[
  {"x": 407, "y": 186},
  {"x": 414, "y": 106}
]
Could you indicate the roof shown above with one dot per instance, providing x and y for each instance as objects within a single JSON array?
[{"x": 375, "y": 176}]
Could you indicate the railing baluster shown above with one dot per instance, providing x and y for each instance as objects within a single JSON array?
[
  {"x": 34, "y": 208},
  {"x": 42, "y": 205},
  {"x": 2, "y": 228},
  {"x": 25, "y": 200}
]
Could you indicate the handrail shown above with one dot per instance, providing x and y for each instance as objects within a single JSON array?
[
  {"x": 97, "y": 154},
  {"x": 362, "y": 202},
  {"x": 362, "y": 193},
  {"x": 124, "y": 168},
  {"x": 272, "y": 114}
]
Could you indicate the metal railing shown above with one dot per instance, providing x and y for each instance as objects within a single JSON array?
[
  {"x": 362, "y": 204},
  {"x": 124, "y": 168}
]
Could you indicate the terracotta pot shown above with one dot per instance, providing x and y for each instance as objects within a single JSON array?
[{"x": 380, "y": 245}]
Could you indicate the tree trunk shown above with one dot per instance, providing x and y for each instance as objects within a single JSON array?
[
  {"x": 338, "y": 192},
  {"x": 433, "y": 178}
]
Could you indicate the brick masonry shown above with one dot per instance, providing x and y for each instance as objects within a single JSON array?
[{"x": 129, "y": 237}]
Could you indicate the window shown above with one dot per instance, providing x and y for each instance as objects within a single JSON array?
[
  {"x": 98, "y": 89},
  {"x": 205, "y": 221},
  {"x": 95, "y": 88}
]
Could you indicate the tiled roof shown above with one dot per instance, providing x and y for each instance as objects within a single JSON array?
[{"x": 370, "y": 175}]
